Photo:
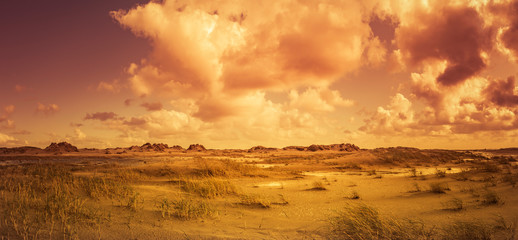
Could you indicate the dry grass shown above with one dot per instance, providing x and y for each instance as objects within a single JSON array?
[
  {"x": 363, "y": 222},
  {"x": 44, "y": 200},
  {"x": 208, "y": 187},
  {"x": 490, "y": 197},
  {"x": 353, "y": 195},
  {"x": 437, "y": 187},
  {"x": 454, "y": 204},
  {"x": 188, "y": 208},
  {"x": 317, "y": 186},
  {"x": 440, "y": 173},
  {"x": 223, "y": 168},
  {"x": 415, "y": 188},
  {"x": 254, "y": 200},
  {"x": 185, "y": 208}
]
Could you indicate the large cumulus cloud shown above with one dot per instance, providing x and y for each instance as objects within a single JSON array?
[
  {"x": 219, "y": 53},
  {"x": 456, "y": 34},
  {"x": 227, "y": 71}
]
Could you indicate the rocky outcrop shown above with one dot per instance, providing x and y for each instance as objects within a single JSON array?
[
  {"x": 196, "y": 147},
  {"x": 148, "y": 147},
  {"x": 155, "y": 147},
  {"x": 62, "y": 147},
  {"x": 298, "y": 148},
  {"x": 261, "y": 149},
  {"x": 176, "y": 147},
  {"x": 346, "y": 147}
]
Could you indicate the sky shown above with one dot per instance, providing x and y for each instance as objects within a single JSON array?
[{"x": 237, "y": 74}]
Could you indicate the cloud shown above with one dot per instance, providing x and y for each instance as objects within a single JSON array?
[
  {"x": 128, "y": 101},
  {"x": 101, "y": 116},
  {"x": 80, "y": 135},
  {"x": 475, "y": 105},
  {"x": 509, "y": 33},
  {"x": 19, "y": 88},
  {"x": 218, "y": 59},
  {"x": 323, "y": 100},
  {"x": 154, "y": 106},
  {"x": 135, "y": 121},
  {"x": 21, "y": 132},
  {"x": 397, "y": 117},
  {"x": 47, "y": 109},
  {"x": 247, "y": 71},
  {"x": 5, "y": 139},
  {"x": 456, "y": 34},
  {"x": 9, "y": 109},
  {"x": 115, "y": 86},
  {"x": 503, "y": 93},
  {"x": 73, "y": 124},
  {"x": 5, "y": 122}
]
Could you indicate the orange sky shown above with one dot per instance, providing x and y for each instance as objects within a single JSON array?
[{"x": 235, "y": 74}]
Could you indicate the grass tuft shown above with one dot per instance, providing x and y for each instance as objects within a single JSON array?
[
  {"x": 208, "y": 187},
  {"x": 188, "y": 208},
  {"x": 255, "y": 200},
  {"x": 454, "y": 204},
  {"x": 364, "y": 222},
  {"x": 491, "y": 198},
  {"x": 438, "y": 188},
  {"x": 318, "y": 186}
]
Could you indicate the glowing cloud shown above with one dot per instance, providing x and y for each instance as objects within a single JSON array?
[{"x": 217, "y": 54}]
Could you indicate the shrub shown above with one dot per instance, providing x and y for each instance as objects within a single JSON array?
[
  {"x": 417, "y": 188},
  {"x": 354, "y": 195},
  {"x": 490, "y": 198},
  {"x": 413, "y": 172},
  {"x": 453, "y": 204},
  {"x": 135, "y": 202},
  {"x": 438, "y": 187},
  {"x": 511, "y": 179},
  {"x": 318, "y": 186},
  {"x": 165, "y": 207},
  {"x": 440, "y": 173}
]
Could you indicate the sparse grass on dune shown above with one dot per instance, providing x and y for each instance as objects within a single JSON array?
[
  {"x": 47, "y": 200},
  {"x": 99, "y": 187},
  {"x": 454, "y": 204},
  {"x": 185, "y": 208},
  {"x": 363, "y": 222},
  {"x": 353, "y": 195},
  {"x": 405, "y": 155},
  {"x": 490, "y": 197},
  {"x": 255, "y": 200},
  {"x": 223, "y": 168},
  {"x": 208, "y": 187},
  {"x": 188, "y": 208}
]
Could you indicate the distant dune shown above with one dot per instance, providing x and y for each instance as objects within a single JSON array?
[{"x": 67, "y": 148}]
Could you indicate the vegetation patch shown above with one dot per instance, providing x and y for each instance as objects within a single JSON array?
[
  {"x": 318, "y": 186},
  {"x": 208, "y": 187},
  {"x": 185, "y": 208},
  {"x": 254, "y": 200},
  {"x": 438, "y": 187}
]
